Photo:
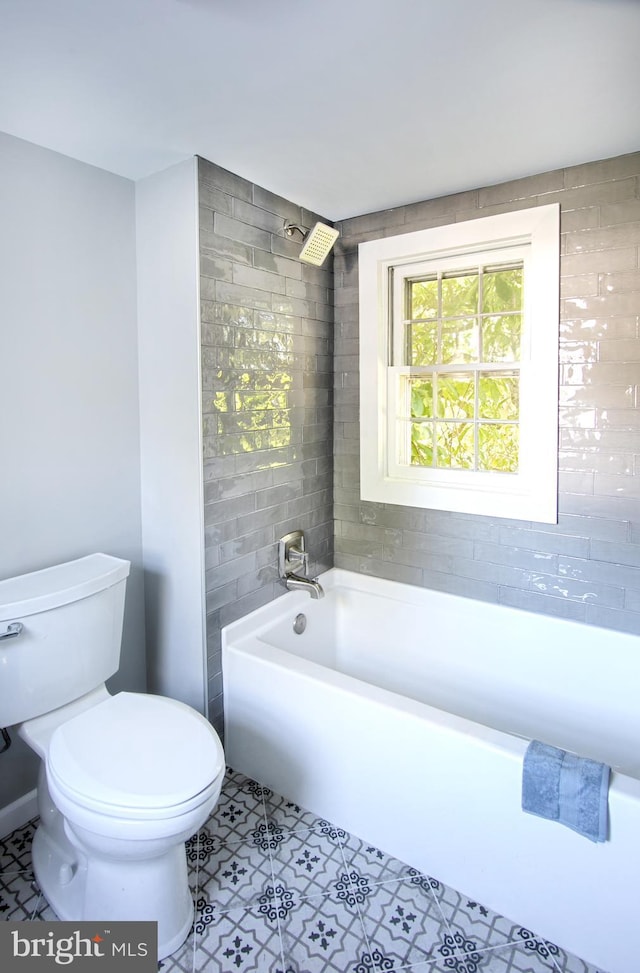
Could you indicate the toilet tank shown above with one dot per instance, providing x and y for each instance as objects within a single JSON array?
[{"x": 60, "y": 634}]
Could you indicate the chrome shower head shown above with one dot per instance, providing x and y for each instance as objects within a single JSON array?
[{"x": 317, "y": 242}]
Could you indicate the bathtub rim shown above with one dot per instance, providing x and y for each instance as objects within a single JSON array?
[
  {"x": 410, "y": 594},
  {"x": 244, "y": 636}
]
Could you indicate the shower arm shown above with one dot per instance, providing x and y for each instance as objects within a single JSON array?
[{"x": 291, "y": 228}]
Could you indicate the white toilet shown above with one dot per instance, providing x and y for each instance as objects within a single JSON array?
[{"x": 125, "y": 779}]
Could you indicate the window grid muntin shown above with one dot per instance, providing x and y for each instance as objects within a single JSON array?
[
  {"x": 479, "y": 270},
  {"x": 510, "y": 367},
  {"x": 407, "y": 421}
]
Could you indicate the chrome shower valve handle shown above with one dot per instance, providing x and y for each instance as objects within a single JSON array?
[{"x": 300, "y": 557}]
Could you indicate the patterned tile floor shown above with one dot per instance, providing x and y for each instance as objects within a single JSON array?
[{"x": 278, "y": 890}]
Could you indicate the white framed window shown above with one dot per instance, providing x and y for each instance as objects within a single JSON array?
[{"x": 459, "y": 366}]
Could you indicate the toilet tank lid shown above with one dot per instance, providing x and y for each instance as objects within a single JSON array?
[{"x": 59, "y": 585}]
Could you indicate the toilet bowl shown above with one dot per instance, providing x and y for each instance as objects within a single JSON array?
[{"x": 125, "y": 779}]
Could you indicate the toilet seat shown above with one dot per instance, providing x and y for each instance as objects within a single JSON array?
[{"x": 136, "y": 756}]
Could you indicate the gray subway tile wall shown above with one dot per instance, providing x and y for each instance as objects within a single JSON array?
[
  {"x": 587, "y": 567},
  {"x": 267, "y": 399},
  {"x": 268, "y": 409}
]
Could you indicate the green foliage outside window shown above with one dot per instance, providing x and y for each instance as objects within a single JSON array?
[{"x": 467, "y": 417}]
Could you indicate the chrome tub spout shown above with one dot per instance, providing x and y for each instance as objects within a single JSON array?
[{"x": 295, "y": 583}]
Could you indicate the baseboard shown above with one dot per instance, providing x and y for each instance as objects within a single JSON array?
[{"x": 17, "y": 814}]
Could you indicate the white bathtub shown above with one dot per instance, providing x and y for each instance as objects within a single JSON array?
[{"x": 403, "y": 715}]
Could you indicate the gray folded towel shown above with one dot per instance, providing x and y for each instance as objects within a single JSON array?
[{"x": 562, "y": 787}]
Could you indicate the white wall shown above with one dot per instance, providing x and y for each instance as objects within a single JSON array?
[
  {"x": 171, "y": 437},
  {"x": 69, "y": 419}
]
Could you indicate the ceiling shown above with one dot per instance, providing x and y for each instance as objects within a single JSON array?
[{"x": 344, "y": 106}]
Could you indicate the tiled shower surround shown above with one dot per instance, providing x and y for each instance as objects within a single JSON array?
[
  {"x": 279, "y": 890},
  {"x": 588, "y": 566},
  {"x": 267, "y": 346},
  {"x": 267, "y": 375}
]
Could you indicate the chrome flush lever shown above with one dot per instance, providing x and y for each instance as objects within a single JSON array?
[{"x": 12, "y": 631}]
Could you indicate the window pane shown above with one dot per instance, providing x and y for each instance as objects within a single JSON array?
[
  {"x": 455, "y": 445},
  {"x": 456, "y": 396},
  {"x": 498, "y": 395},
  {"x": 424, "y": 299},
  {"x": 421, "y": 398},
  {"x": 459, "y": 295},
  {"x": 502, "y": 290},
  {"x": 459, "y": 342},
  {"x": 422, "y": 444},
  {"x": 424, "y": 344},
  {"x": 498, "y": 448},
  {"x": 501, "y": 338}
]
